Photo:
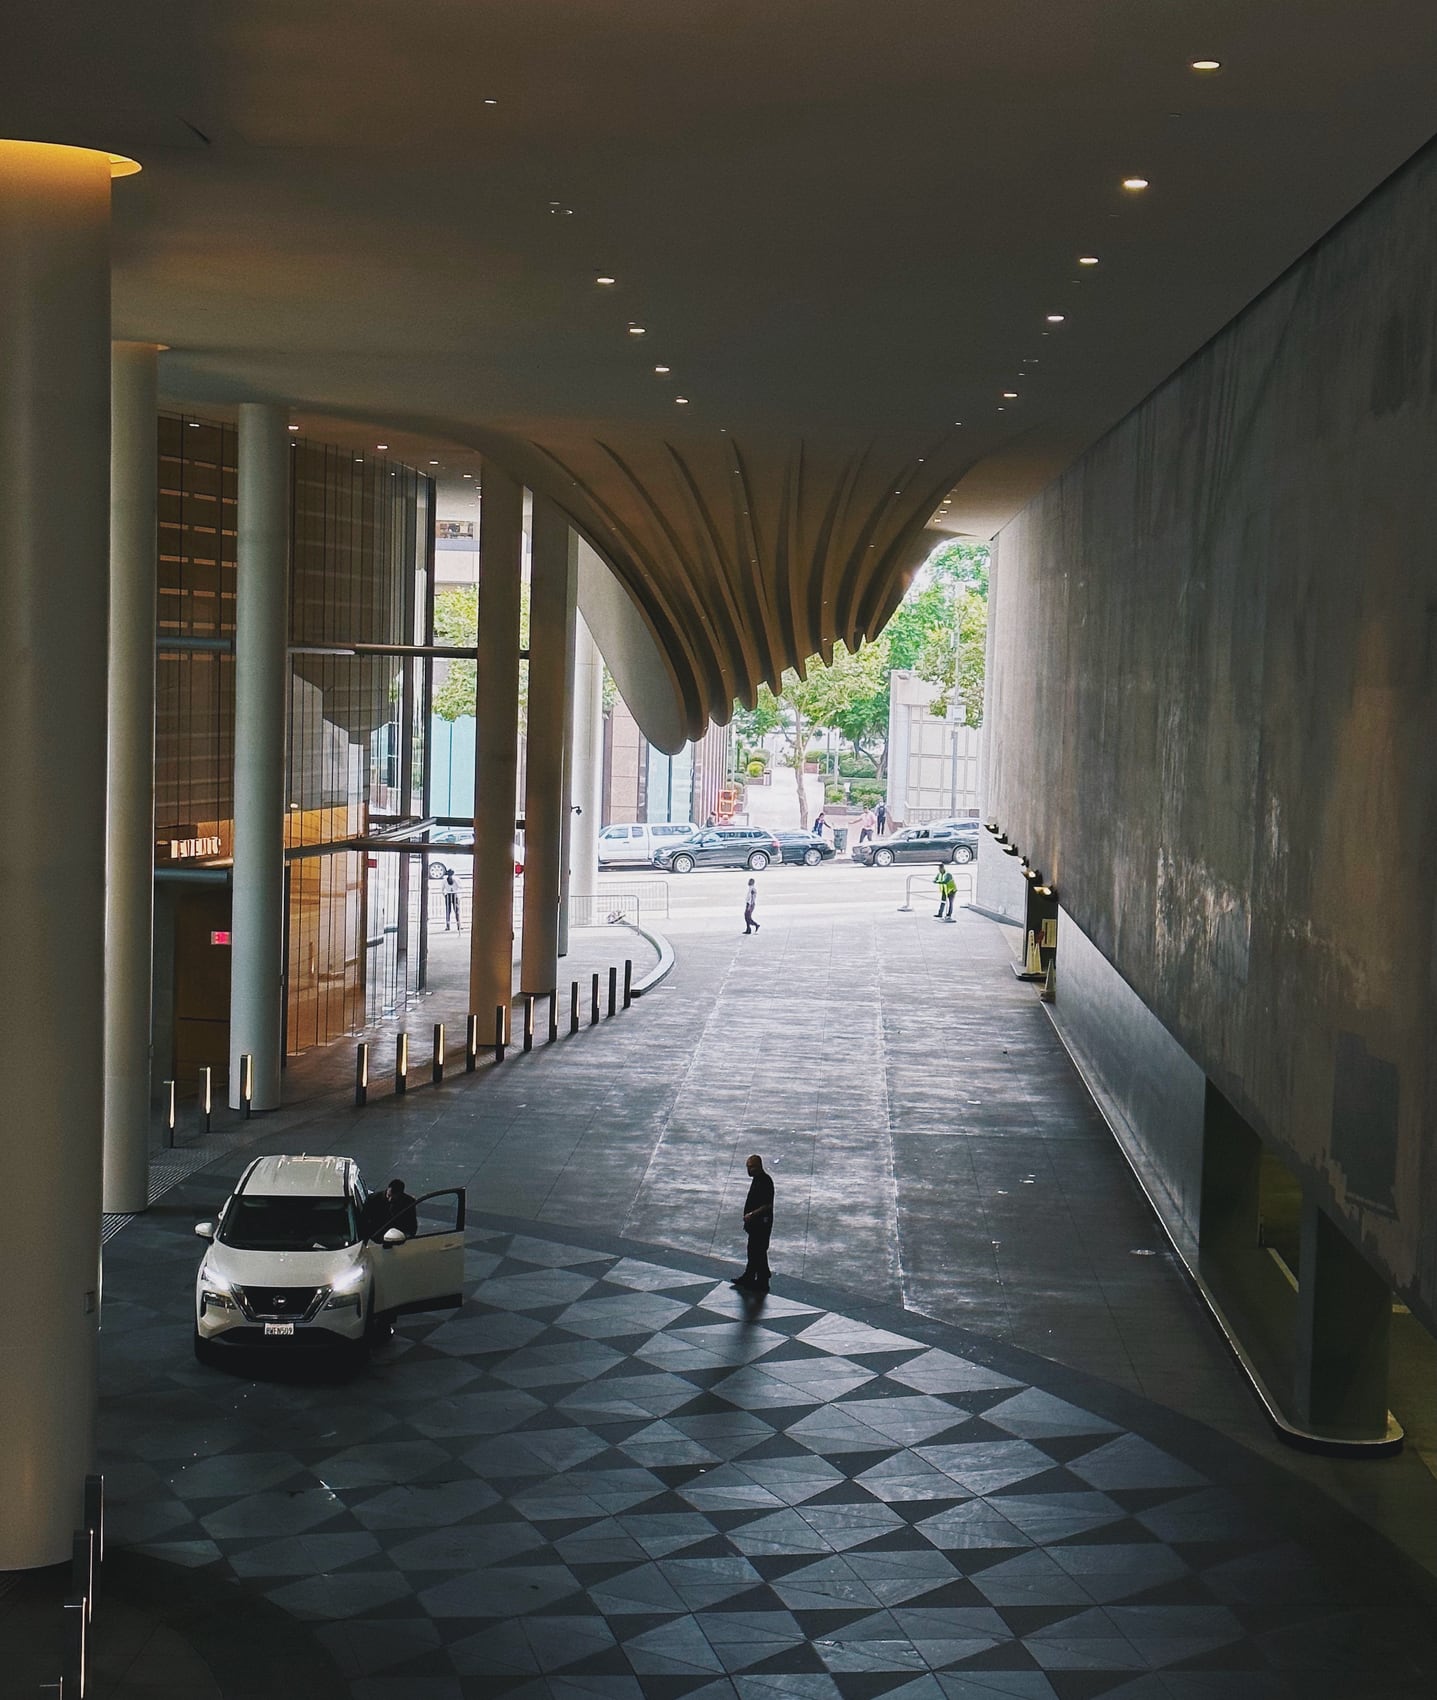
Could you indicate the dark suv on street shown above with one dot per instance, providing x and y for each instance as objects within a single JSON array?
[{"x": 722, "y": 847}]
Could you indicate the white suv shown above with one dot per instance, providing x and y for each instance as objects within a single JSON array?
[
  {"x": 302, "y": 1255},
  {"x": 638, "y": 842}
]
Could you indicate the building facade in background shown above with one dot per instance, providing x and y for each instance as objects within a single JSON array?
[{"x": 932, "y": 760}]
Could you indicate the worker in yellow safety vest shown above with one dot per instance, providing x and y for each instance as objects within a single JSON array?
[{"x": 947, "y": 891}]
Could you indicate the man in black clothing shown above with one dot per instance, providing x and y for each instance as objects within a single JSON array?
[
  {"x": 758, "y": 1225},
  {"x": 400, "y": 1209}
]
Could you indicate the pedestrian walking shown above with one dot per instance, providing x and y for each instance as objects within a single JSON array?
[
  {"x": 758, "y": 1225},
  {"x": 749, "y": 905},
  {"x": 881, "y": 817},
  {"x": 947, "y": 891},
  {"x": 820, "y": 823},
  {"x": 866, "y": 823},
  {"x": 451, "y": 901}
]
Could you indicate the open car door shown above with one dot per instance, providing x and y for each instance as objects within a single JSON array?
[{"x": 426, "y": 1272}]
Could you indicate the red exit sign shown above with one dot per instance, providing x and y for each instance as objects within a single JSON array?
[{"x": 219, "y": 938}]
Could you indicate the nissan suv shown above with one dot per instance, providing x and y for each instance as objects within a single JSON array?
[{"x": 302, "y": 1255}]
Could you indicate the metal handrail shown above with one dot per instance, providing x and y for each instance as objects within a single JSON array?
[{"x": 961, "y": 877}]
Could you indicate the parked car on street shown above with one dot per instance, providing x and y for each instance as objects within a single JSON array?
[
  {"x": 301, "y": 1256},
  {"x": 722, "y": 847},
  {"x": 943, "y": 841},
  {"x": 629, "y": 842},
  {"x": 807, "y": 848}
]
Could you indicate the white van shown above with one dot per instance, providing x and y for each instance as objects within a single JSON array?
[{"x": 636, "y": 842}]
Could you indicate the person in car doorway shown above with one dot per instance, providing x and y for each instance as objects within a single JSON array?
[
  {"x": 749, "y": 905},
  {"x": 451, "y": 901},
  {"x": 947, "y": 890},
  {"x": 392, "y": 1208},
  {"x": 758, "y": 1225}
]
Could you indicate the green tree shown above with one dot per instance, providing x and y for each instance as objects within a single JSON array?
[
  {"x": 952, "y": 648},
  {"x": 823, "y": 697},
  {"x": 456, "y": 626}
]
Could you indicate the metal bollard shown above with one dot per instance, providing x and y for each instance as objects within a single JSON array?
[
  {"x": 594, "y": 1003},
  {"x": 247, "y": 1084},
  {"x": 401, "y": 1065},
  {"x": 361, "y": 1072},
  {"x": 528, "y": 1021},
  {"x": 574, "y": 1007},
  {"x": 553, "y": 1015},
  {"x": 95, "y": 1520},
  {"x": 613, "y": 989},
  {"x": 206, "y": 1098},
  {"x": 499, "y": 1026},
  {"x": 628, "y": 981},
  {"x": 471, "y": 1044},
  {"x": 169, "y": 1115},
  {"x": 74, "y": 1655},
  {"x": 82, "y": 1570},
  {"x": 436, "y": 1062}
]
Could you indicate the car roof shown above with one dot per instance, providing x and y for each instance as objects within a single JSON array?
[{"x": 299, "y": 1176}]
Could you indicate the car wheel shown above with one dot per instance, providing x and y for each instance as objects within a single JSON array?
[
  {"x": 964, "y": 853},
  {"x": 883, "y": 858},
  {"x": 811, "y": 858},
  {"x": 682, "y": 864},
  {"x": 758, "y": 861}
]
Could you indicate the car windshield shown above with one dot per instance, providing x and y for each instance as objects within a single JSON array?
[{"x": 288, "y": 1224}]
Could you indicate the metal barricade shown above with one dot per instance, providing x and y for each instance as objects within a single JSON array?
[{"x": 962, "y": 878}]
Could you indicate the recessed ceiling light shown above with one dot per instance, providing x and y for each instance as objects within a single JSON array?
[
  {"x": 606, "y": 280},
  {"x": 1010, "y": 395},
  {"x": 661, "y": 369},
  {"x": 359, "y": 460},
  {"x": 1134, "y": 184},
  {"x": 381, "y": 445},
  {"x": 195, "y": 425},
  {"x": 1087, "y": 259},
  {"x": 1055, "y": 318},
  {"x": 637, "y": 330},
  {"x": 681, "y": 401},
  {"x": 1207, "y": 64},
  {"x": 491, "y": 103},
  {"x": 468, "y": 474},
  {"x": 434, "y": 463}
]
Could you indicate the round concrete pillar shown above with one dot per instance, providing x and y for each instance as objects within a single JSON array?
[
  {"x": 586, "y": 790},
  {"x": 496, "y": 746},
  {"x": 54, "y": 547},
  {"x": 261, "y": 687},
  {"x": 130, "y": 840},
  {"x": 552, "y": 575}
]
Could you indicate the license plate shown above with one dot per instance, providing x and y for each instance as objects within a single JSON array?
[{"x": 278, "y": 1328}]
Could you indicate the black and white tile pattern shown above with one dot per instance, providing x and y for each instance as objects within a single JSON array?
[{"x": 611, "y": 1476}]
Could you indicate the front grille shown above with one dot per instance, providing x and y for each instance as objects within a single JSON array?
[{"x": 278, "y": 1304}]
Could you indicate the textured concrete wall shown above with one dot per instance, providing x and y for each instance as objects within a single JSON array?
[{"x": 1211, "y": 714}]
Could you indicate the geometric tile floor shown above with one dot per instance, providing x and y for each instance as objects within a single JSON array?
[{"x": 611, "y": 1476}]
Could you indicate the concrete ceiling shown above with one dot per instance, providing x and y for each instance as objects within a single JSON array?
[{"x": 841, "y": 224}]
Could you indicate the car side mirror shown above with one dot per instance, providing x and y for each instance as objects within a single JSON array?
[
  {"x": 394, "y": 1236},
  {"x": 205, "y": 1230}
]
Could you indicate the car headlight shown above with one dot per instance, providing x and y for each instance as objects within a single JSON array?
[
  {"x": 344, "y": 1289},
  {"x": 215, "y": 1291}
]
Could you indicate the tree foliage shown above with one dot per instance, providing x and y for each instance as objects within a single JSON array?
[
  {"x": 939, "y": 631},
  {"x": 456, "y": 626}
]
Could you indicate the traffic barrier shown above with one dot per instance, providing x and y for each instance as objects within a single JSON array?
[
  {"x": 206, "y": 1101},
  {"x": 361, "y": 1073},
  {"x": 553, "y": 1015},
  {"x": 594, "y": 1003},
  {"x": 436, "y": 1062},
  {"x": 169, "y": 1115},
  {"x": 499, "y": 1034},
  {"x": 628, "y": 981},
  {"x": 401, "y": 1065},
  {"x": 247, "y": 1084},
  {"x": 613, "y": 988},
  {"x": 528, "y": 1021},
  {"x": 471, "y": 1044},
  {"x": 574, "y": 1007}
]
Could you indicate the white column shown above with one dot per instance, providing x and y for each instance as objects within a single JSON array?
[
  {"x": 130, "y": 840},
  {"x": 261, "y": 687},
  {"x": 586, "y": 785},
  {"x": 54, "y": 547},
  {"x": 496, "y": 747},
  {"x": 553, "y": 575}
]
